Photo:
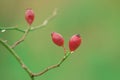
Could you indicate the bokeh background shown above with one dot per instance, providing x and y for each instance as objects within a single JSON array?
[{"x": 97, "y": 21}]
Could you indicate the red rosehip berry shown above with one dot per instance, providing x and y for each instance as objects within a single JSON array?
[
  {"x": 57, "y": 39},
  {"x": 29, "y": 16},
  {"x": 74, "y": 42}
]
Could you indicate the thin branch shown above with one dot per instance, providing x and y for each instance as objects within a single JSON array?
[
  {"x": 31, "y": 74},
  {"x": 45, "y": 22},
  {"x": 53, "y": 66},
  {"x": 22, "y": 38},
  {"x": 10, "y": 48},
  {"x": 33, "y": 28},
  {"x": 17, "y": 57},
  {"x": 32, "y": 78},
  {"x": 12, "y": 28}
]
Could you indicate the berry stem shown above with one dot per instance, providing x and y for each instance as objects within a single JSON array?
[{"x": 64, "y": 49}]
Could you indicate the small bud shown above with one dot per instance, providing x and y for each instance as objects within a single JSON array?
[
  {"x": 74, "y": 42},
  {"x": 57, "y": 39},
  {"x": 29, "y": 16}
]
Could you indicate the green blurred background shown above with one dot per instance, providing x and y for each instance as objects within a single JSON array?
[{"x": 98, "y": 22}]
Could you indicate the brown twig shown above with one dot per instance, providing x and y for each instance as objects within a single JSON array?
[
  {"x": 11, "y": 28},
  {"x": 45, "y": 22},
  {"x": 52, "y": 67},
  {"x": 22, "y": 38},
  {"x": 17, "y": 57},
  {"x": 33, "y": 28},
  {"x": 31, "y": 74},
  {"x": 11, "y": 50}
]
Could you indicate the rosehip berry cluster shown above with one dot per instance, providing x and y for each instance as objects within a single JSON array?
[
  {"x": 29, "y": 16},
  {"x": 57, "y": 38},
  {"x": 74, "y": 41}
]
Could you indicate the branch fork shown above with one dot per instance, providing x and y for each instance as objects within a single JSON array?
[{"x": 26, "y": 32}]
